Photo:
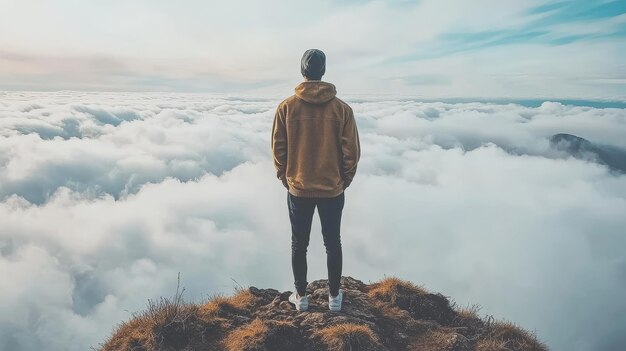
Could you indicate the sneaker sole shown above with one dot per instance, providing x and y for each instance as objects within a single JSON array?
[
  {"x": 298, "y": 308},
  {"x": 301, "y": 308}
]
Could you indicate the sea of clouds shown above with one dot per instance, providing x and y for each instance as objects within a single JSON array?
[{"x": 106, "y": 197}]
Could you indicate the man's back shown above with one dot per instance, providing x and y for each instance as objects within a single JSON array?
[
  {"x": 316, "y": 149},
  {"x": 315, "y": 141}
]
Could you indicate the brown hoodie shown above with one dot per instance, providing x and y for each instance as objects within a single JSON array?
[{"x": 315, "y": 141}]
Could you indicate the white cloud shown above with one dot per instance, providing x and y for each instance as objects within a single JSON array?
[{"x": 106, "y": 197}]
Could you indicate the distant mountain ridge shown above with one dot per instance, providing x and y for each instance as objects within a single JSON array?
[
  {"x": 391, "y": 314},
  {"x": 580, "y": 148}
]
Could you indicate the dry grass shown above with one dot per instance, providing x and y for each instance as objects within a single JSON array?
[
  {"x": 436, "y": 340},
  {"x": 132, "y": 335},
  {"x": 468, "y": 323},
  {"x": 219, "y": 305},
  {"x": 262, "y": 335},
  {"x": 506, "y": 336},
  {"x": 389, "y": 288},
  {"x": 470, "y": 312},
  {"x": 145, "y": 331},
  {"x": 392, "y": 312},
  {"x": 398, "y": 319},
  {"x": 248, "y": 337},
  {"x": 172, "y": 323},
  {"x": 412, "y": 298},
  {"x": 349, "y": 336}
]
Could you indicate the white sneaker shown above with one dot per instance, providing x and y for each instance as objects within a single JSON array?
[
  {"x": 301, "y": 302},
  {"x": 334, "y": 303}
]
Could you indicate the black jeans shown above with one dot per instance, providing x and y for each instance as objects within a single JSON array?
[{"x": 301, "y": 216}]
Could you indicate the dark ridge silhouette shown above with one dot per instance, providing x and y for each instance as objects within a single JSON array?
[
  {"x": 391, "y": 314},
  {"x": 580, "y": 148}
]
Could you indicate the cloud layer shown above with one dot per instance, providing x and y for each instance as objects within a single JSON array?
[{"x": 106, "y": 197}]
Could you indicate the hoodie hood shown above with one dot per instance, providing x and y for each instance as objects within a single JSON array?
[{"x": 316, "y": 91}]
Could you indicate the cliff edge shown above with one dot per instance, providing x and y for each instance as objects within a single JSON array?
[{"x": 391, "y": 314}]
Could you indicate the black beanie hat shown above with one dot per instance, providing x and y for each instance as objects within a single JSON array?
[{"x": 313, "y": 65}]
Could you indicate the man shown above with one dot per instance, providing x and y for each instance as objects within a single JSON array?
[{"x": 316, "y": 149}]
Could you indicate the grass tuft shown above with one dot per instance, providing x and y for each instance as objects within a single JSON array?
[
  {"x": 506, "y": 336},
  {"x": 220, "y": 305},
  {"x": 389, "y": 288},
  {"x": 248, "y": 337},
  {"x": 149, "y": 330},
  {"x": 349, "y": 336},
  {"x": 264, "y": 335}
]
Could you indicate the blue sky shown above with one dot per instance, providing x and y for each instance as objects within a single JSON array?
[
  {"x": 540, "y": 30},
  {"x": 453, "y": 48}
]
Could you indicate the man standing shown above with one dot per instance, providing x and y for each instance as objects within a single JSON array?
[{"x": 315, "y": 144}]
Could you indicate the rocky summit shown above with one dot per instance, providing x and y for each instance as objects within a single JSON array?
[{"x": 391, "y": 314}]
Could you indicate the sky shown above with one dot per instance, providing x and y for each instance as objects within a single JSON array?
[
  {"x": 106, "y": 197},
  {"x": 428, "y": 48}
]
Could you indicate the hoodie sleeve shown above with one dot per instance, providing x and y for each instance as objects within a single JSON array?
[
  {"x": 350, "y": 147},
  {"x": 279, "y": 143}
]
